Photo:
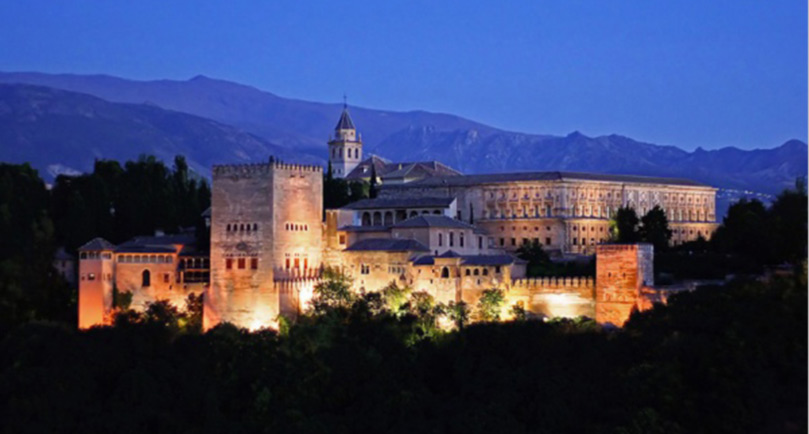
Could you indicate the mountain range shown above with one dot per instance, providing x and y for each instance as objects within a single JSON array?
[{"x": 71, "y": 119}]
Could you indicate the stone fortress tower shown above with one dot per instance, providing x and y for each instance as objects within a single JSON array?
[
  {"x": 266, "y": 227},
  {"x": 345, "y": 147}
]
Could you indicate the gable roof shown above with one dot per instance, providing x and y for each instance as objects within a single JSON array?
[
  {"x": 385, "y": 169},
  {"x": 404, "y": 202},
  {"x": 388, "y": 244},
  {"x": 432, "y": 221},
  {"x": 97, "y": 243}
]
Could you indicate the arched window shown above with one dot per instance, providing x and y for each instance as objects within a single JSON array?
[
  {"x": 445, "y": 273},
  {"x": 146, "y": 278},
  {"x": 413, "y": 213},
  {"x": 388, "y": 218},
  {"x": 440, "y": 240},
  {"x": 366, "y": 219},
  {"x": 377, "y": 219}
]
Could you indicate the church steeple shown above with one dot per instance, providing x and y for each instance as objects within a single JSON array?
[{"x": 345, "y": 148}]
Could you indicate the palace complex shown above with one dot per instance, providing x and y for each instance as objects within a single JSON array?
[{"x": 431, "y": 228}]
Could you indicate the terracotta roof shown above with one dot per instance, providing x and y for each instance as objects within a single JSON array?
[
  {"x": 388, "y": 244},
  {"x": 97, "y": 244}
]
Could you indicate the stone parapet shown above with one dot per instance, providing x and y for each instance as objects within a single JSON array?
[{"x": 252, "y": 169}]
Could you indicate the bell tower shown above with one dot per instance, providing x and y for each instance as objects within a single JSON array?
[{"x": 345, "y": 146}]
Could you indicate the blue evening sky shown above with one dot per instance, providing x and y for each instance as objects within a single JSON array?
[{"x": 684, "y": 73}]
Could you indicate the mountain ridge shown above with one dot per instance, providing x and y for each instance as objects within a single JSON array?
[{"x": 301, "y": 127}]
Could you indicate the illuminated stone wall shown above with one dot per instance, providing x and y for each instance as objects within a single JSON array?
[
  {"x": 554, "y": 296},
  {"x": 622, "y": 272},
  {"x": 266, "y": 224},
  {"x": 95, "y": 288},
  {"x": 559, "y": 210}
]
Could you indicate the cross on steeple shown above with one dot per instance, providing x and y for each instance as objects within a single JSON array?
[{"x": 345, "y": 101}]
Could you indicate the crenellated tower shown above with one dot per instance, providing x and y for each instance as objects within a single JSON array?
[
  {"x": 345, "y": 147},
  {"x": 266, "y": 226}
]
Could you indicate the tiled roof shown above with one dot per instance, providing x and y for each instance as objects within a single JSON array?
[
  {"x": 98, "y": 244},
  {"x": 345, "y": 122},
  {"x": 494, "y": 178},
  {"x": 472, "y": 260},
  {"x": 388, "y": 244},
  {"x": 156, "y": 244},
  {"x": 405, "y": 202},
  {"x": 388, "y": 170},
  {"x": 432, "y": 221}
]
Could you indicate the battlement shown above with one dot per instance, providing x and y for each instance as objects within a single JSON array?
[
  {"x": 553, "y": 283},
  {"x": 252, "y": 169},
  {"x": 296, "y": 285}
]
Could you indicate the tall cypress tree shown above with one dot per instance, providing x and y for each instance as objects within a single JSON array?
[{"x": 372, "y": 189}]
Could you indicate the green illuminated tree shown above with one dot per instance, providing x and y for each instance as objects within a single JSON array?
[{"x": 489, "y": 305}]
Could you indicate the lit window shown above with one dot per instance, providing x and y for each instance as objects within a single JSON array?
[
  {"x": 241, "y": 263},
  {"x": 228, "y": 264}
]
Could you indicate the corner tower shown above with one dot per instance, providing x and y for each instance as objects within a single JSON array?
[{"x": 345, "y": 147}]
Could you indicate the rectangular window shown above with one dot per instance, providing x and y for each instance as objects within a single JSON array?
[
  {"x": 497, "y": 269},
  {"x": 305, "y": 263},
  {"x": 228, "y": 264},
  {"x": 575, "y": 241},
  {"x": 254, "y": 263},
  {"x": 297, "y": 263},
  {"x": 513, "y": 241},
  {"x": 241, "y": 263},
  {"x": 440, "y": 240},
  {"x": 480, "y": 242},
  {"x": 452, "y": 239},
  {"x": 166, "y": 277},
  {"x": 502, "y": 242},
  {"x": 547, "y": 241},
  {"x": 342, "y": 239},
  {"x": 460, "y": 240}
]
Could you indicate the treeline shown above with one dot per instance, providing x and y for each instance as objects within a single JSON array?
[
  {"x": 114, "y": 201},
  {"x": 718, "y": 360}
]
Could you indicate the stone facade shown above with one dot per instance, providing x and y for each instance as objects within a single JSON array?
[
  {"x": 567, "y": 212},
  {"x": 433, "y": 230},
  {"x": 266, "y": 226}
]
